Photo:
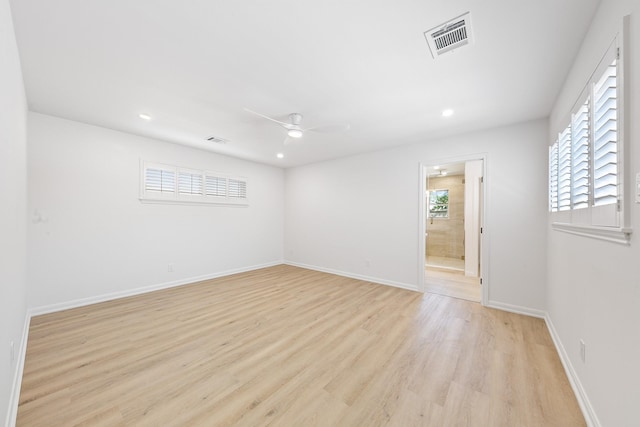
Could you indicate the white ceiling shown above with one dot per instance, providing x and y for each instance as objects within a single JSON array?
[{"x": 195, "y": 65}]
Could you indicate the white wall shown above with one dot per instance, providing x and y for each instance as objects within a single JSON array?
[
  {"x": 593, "y": 287},
  {"x": 342, "y": 213},
  {"x": 95, "y": 237},
  {"x": 13, "y": 218}
]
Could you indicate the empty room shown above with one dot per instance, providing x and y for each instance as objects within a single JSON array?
[{"x": 297, "y": 213}]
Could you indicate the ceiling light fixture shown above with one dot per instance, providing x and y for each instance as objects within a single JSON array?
[
  {"x": 280, "y": 155},
  {"x": 294, "y": 133},
  {"x": 144, "y": 116},
  {"x": 443, "y": 172},
  {"x": 447, "y": 113},
  {"x": 436, "y": 167}
]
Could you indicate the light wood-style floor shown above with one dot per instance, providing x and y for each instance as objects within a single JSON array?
[
  {"x": 284, "y": 346},
  {"x": 447, "y": 263},
  {"x": 452, "y": 283}
]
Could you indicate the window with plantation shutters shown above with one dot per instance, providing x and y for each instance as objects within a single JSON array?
[
  {"x": 190, "y": 183},
  {"x": 564, "y": 170},
  {"x": 160, "y": 180},
  {"x": 237, "y": 189},
  {"x": 580, "y": 175},
  {"x": 216, "y": 186},
  {"x": 585, "y": 162},
  {"x": 161, "y": 183},
  {"x": 605, "y": 139}
]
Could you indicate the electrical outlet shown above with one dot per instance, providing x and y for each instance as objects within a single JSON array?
[
  {"x": 583, "y": 351},
  {"x": 170, "y": 268},
  {"x": 12, "y": 353}
]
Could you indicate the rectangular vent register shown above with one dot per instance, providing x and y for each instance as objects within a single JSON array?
[{"x": 449, "y": 36}]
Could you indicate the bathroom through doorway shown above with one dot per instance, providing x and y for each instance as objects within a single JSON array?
[{"x": 453, "y": 229}]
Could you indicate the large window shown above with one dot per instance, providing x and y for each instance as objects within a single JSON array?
[
  {"x": 166, "y": 183},
  {"x": 585, "y": 182}
]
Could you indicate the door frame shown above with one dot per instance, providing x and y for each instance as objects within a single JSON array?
[{"x": 484, "y": 220}]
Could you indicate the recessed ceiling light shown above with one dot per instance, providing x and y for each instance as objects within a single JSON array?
[
  {"x": 144, "y": 116},
  {"x": 436, "y": 167},
  {"x": 447, "y": 113},
  {"x": 280, "y": 155},
  {"x": 443, "y": 172},
  {"x": 294, "y": 133}
]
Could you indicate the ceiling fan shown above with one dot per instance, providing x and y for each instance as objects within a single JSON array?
[{"x": 294, "y": 128}]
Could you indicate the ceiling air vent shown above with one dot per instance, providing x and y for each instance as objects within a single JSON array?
[
  {"x": 450, "y": 35},
  {"x": 217, "y": 140}
]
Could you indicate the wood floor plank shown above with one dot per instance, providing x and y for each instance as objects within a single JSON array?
[
  {"x": 452, "y": 283},
  {"x": 285, "y": 346}
]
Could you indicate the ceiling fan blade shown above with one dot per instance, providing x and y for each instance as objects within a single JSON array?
[
  {"x": 330, "y": 129},
  {"x": 267, "y": 117}
]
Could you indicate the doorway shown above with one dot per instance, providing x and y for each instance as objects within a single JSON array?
[{"x": 451, "y": 218}]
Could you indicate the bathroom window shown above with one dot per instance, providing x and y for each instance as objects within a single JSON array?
[{"x": 439, "y": 204}]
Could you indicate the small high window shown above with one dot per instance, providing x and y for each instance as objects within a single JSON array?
[{"x": 167, "y": 183}]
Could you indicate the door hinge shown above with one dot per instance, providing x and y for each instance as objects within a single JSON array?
[
  {"x": 481, "y": 280},
  {"x": 481, "y": 230},
  {"x": 618, "y": 53},
  {"x": 482, "y": 179},
  {"x": 619, "y": 205}
]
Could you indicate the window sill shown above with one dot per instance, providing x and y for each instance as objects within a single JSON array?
[{"x": 609, "y": 234}]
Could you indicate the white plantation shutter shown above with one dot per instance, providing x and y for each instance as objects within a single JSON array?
[
  {"x": 169, "y": 184},
  {"x": 215, "y": 186},
  {"x": 594, "y": 143},
  {"x": 160, "y": 180},
  {"x": 605, "y": 139},
  {"x": 598, "y": 133},
  {"x": 580, "y": 176},
  {"x": 553, "y": 178},
  {"x": 564, "y": 170},
  {"x": 237, "y": 189},
  {"x": 190, "y": 183}
]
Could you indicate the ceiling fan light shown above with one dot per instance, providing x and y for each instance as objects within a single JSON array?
[{"x": 294, "y": 133}]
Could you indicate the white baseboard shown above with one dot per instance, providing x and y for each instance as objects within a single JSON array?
[
  {"x": 143, "y": 290},
  {"x": 581, "y": 395},
  {"x": 354, "y": 276},
  {"x": 14, "y": 398},
  {"x": 518, "y": 309}
]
